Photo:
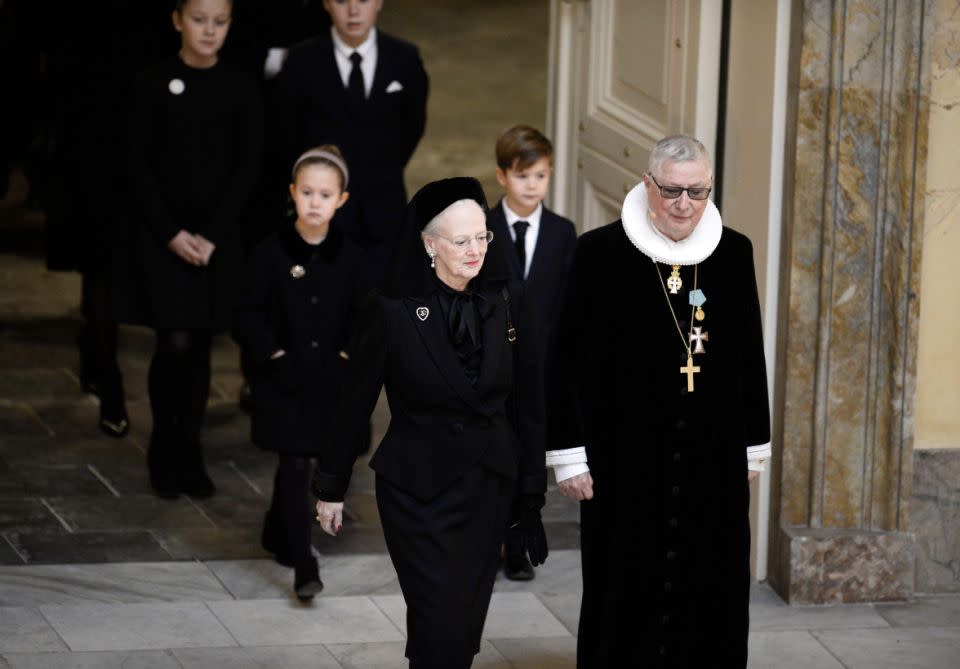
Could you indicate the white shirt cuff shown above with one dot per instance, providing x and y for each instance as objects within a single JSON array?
[
  {"x": 568, "y": 462},
  {"x": 757, "y": 457}
]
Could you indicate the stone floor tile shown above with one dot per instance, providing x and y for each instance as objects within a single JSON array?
[
  {"x": 61, "y": 547},
  {"x": 898, "y": 648},
  {"x": 24, "y": 630},
  {"x": 929, "y": 611},
  {"x": 204, "y": 543},
  {"x": 390, "y": 656},
  {"x": 565, "y": 607},
  {"x": 342, "y": 575},
  {"x": 23, "y": 384},
  {"x": 73, "y": 419},
  {"x": 137, "y": 626},
  {"x": 132, "y": 512},
  {"x": 272, "y": 622},
  {"x": 272, "y": 657},
  {"x": 512, "y": 615},
  {"x": 562, "y": 535},
  {"x": 8, "y": 556},
  {"x": 783, "y": 650},
  {"x": 149, "y": 659},
  {"x": 772, "y": 617},
  {"x": 20, "y": 420},
  {"x": 351, "y": 540},
  {"x": 538, "y": 653},
  {"x": 21, "y": 515},
  {"x": 108, "y": 583},
  {"x": 52, "y": 480}
]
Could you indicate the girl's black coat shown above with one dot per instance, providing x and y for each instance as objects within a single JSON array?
[{"x": 312, "y": 319}]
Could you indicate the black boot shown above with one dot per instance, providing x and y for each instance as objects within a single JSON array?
[
  {"x": 194, "y": 480},
  {"x": 306, "y": 580}
]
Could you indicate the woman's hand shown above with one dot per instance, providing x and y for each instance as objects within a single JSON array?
[
  {"x": 579, "y": 487},
  {"x": 187, "y": 248},
  {"x": 206, "y": 247},
  {"x": 330, "y": 517}
]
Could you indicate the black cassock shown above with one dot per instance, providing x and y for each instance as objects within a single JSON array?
[{"x": 665, "y": 540}]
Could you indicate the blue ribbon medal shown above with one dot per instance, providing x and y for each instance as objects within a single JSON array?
[{"x": 697, "y": 299}]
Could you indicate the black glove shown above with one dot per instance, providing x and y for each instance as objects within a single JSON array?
[{"x": 533, "y": 538}]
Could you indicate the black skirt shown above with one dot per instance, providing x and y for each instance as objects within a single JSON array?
[{"x": 446, "y": 553}]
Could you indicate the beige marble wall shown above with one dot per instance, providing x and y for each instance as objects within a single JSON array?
[
  {"x": 853, "y": 248},
  {"x": 938, "y": 363}
]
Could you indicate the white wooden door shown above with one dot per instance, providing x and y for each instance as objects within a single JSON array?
[{"x": 625, "y": 73}]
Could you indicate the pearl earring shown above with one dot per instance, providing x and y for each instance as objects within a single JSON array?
[{"x": 433, "y": 262}]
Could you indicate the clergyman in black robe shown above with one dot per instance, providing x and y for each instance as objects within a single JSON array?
[{"x": 658, "y": 410}]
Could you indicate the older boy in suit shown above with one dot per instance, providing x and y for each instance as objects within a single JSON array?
[
  {"x": 365, "y": 92},
  {"x": 543, "y": 243}
]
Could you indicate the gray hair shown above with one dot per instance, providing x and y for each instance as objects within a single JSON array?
[
  {"x": 433, "y": 227},
  {"x": 678, "y": 149}
]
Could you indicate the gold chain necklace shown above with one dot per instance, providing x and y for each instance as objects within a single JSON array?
[{"x": 690, "y": 369}]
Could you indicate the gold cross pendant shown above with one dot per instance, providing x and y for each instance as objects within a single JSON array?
[
  {"x": 690, "y": 370},
  {"x": 675, "y": 283}
]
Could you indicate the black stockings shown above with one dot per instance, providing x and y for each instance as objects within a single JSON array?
[
  {"x": 99, "y": 371},
  {"x": 290, "y": 517},
  {"x": 179, "y": 384}
]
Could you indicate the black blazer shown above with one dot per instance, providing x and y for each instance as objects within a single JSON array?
[
  {"x": 552, "y": 257},
  {"x": 312, "y": 318},
  {"x": 310, "y": 107},
  {"x": 440, "y": 425}
]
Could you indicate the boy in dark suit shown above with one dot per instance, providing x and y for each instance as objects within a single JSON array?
[
  {"x": 366, "y": 92},
  {"x": 543, "y": 243}
]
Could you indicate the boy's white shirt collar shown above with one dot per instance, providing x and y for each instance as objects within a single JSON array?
[
  {"x": 512, "y": 216},
  {"x": 641, "y": 231},
  {"x": 365, "y": 49}
]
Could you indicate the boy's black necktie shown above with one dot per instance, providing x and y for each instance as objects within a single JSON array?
[
  {"x": 520, "y": 231},
  {"x": 355, "y": 88}
]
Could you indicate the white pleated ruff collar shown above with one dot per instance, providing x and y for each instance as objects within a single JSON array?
[{"x": 654, "y": 244}]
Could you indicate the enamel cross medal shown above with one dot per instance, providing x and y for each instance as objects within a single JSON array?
[{"x": 675, "y": 283}]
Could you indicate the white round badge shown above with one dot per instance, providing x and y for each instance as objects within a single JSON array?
[{"x": 177, "y": 86}]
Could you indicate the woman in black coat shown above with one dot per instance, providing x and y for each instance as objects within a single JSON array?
[
  {"x": 450, "y": 343},
  {"x": 294, "y": 320},
  {"x": 195, "y": 135}
]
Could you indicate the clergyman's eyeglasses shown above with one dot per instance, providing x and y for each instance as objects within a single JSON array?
[{"x": 673, "y": 192}]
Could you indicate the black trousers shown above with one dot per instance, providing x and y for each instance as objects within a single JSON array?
[{"x": 446, "y": 553}]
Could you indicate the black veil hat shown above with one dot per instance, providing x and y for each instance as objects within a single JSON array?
[{"x": 409, "y": 273}]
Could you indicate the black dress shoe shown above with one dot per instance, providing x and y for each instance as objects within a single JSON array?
[
  {"x": 306, "y": 580},
  {"x": 517, "y": 567}
]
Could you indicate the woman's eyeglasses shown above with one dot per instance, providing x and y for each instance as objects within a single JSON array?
[
  {"x": 482, "y": 239},
  {"x": 673, "y": 192}
]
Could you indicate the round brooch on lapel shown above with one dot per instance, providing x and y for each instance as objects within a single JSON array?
[
  {"x": 177, "y": 86},
  {"x": 297, "y": 271}
]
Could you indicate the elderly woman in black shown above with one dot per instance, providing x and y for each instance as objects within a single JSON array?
[{"x": 450, "y": 342}]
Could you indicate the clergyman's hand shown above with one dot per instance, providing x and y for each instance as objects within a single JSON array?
[
  {"x": 330, "y": 517},
  {"x": 579, "y": 487},
  {"x": 187, "y": 248}
]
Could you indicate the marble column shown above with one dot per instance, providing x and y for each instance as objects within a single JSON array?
[{"x": 844, "y": 399}]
